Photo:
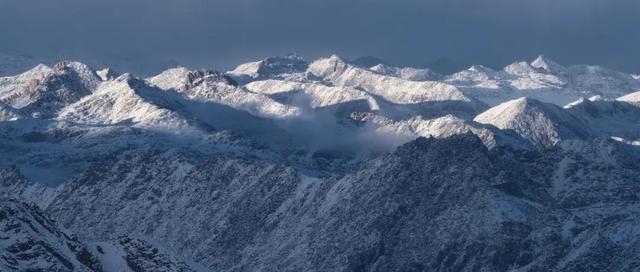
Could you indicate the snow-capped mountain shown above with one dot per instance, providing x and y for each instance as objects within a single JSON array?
[
  {"x": 543, "y": 79},
  {"x": 311, "y": 94},
  {"x": 395, "y": 90},
  {"x": 205, "y": 86},
  {"x": 443, "y": 127},
  {"x": 41, "y": 92},
  {"x": 284, "y": 165},
  {"x": 127, "y": 99},
  {"x": 543, "y": 124},
  {"x": 408, "y": 73},
  {"x": 12, "y": 85},
  {"x": 268, "y": 68}
]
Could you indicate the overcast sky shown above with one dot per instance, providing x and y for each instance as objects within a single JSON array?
[{"x": 219, "y": 34}]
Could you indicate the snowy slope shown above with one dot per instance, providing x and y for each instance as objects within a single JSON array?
[
  {"x": 403, "y": 98},
  {"x": 541, "y": 123},
  {"x": 212, "y": 87},
  {"x": 181, "y": 79},
  {"x": 444, "y": 127},
  {"x": 392, "y": 89},
  {"x": 127, "y": 99},
  {"x": 10, "y": 85},
  {"x": 310, "y": 94},
  {"x": 633, "y": 98},
  {"x": 43, "y": 96}
]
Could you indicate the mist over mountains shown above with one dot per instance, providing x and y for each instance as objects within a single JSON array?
[{"x": 288, "y": 164}]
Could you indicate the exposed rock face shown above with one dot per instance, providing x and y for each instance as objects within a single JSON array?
[{"x": 30, "y": 241}]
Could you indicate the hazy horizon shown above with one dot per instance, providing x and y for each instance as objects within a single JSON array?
[{"x": 151, "y": 35}]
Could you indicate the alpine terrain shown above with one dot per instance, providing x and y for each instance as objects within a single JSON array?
[{"x": 285, "y": 164}]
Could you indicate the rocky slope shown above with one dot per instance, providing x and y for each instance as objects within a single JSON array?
[
  {"x": 30, "y": 241},
  {"x": 507, "y": 209}
]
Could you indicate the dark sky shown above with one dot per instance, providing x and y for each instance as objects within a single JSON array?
[{"x": 214, "y": 34}]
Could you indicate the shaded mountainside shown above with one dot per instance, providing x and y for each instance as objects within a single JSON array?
[
  {"x": 563, "y": 209},
  {"x": 31, "y": 241}
]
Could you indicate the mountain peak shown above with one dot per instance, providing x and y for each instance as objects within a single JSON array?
[
  {"x": 336, "y": 58},
  {"x": 541, "y": 123},
  {"x": 547, "y": 64},
  {"x": 268, "y": 67},
  {"x": 181, "y": 78},
  {"x": 327, "y": 66},
  {"x": 74, "y": 65}
]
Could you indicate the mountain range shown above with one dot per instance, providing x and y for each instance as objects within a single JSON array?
[{"x": 287, "y": 165}]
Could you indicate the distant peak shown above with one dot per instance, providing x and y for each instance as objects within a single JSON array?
[
  {"x": 335, "y": 57},
  {"x": 78, "y": 67},
  {"x": 547, "y": 64},
  {"x": 64, "y": 64},
  {"x": 269, "y": 67}
]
